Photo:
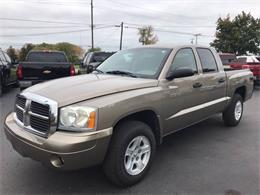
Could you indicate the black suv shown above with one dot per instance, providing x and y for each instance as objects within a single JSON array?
[{"x": 8, "y": 70}]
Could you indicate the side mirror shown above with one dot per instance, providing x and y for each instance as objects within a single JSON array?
[
  {"x": 180, "y": 72},
  {"x": 90, "y": 68}
]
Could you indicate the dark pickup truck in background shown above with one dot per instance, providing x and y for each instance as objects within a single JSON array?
[
  {"x": 7, "y": 71},
  {"x": 41, "y": 66}
]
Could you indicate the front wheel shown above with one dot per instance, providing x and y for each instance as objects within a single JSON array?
[
  {"x": 130, "y": 153},
  {"x": 233, "y": 114}
]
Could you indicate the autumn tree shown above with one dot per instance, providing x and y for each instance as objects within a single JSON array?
[
  {"x": 239, "y": 35},
  {"x": 25, "y": 50},
  {"x": 147, "y": 36},
  {"x": 12, "y": 53},
  {"x": 72, "y": 51}
]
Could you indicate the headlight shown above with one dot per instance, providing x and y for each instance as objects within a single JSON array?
[{"x": 77, "y": 118}]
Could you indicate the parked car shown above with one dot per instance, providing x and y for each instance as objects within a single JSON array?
[
  {"x": 7, "y": 71},
  {"x": 42, "y": 66},
  {"x": 120, "y": 113},
  {"x": 248, "y": 59},
  {"x": 249, "y": 62},
  {"x": 92, "y": 59}
]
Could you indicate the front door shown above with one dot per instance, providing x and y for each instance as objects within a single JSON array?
[{"x": 182, "y": 95}]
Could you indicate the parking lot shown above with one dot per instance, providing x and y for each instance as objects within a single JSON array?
[{"x": 207, "y": 158}]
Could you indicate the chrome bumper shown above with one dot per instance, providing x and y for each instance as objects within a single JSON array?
[{"x": 61, "y": 150}]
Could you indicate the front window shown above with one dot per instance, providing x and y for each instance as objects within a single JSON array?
[
  {"x": 141, "y": 62},
  {"x": 184, "y": 59}
]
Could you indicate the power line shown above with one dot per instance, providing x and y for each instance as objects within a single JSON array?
[
  {"x": 41, "y": 21},
  {"x": 174, "y": 26},
  {"x": 38, "y": 27},
  {"x": 52, "y": 33},
  {"x": 154, "y": 10}
]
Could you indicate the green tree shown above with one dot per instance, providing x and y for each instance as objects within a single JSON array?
[
  {"x": 12, "y": 53},
  {"x": 147, "y": 36},
  {"x": 72, "y": 51},
  {"x": 25, "y": 50},
  {"x": 239, "y": 36}
]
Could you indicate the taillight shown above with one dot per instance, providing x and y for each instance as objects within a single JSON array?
[
  {"x": 20, "y": 72},
  {"x": 72, "y": 71}
]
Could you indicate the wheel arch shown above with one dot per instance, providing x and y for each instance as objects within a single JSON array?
[
  {"x": 241, "y": 91},
  {"x": 147, "y": 116}
]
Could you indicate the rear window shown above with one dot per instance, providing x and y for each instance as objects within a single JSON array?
[
  {"x": 46, "y": 57},
  {"x": 227, "y": 59},
  {"x": 207, "y": 59},
  {"x": 242, "y": 60}
]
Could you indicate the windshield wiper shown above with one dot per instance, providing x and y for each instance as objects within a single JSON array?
[{"x": 119, "y": 72}]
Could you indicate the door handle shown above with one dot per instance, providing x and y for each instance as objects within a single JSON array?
[
  {"x": 222, "y": 80},
  {"x": 197, "y": 85}
]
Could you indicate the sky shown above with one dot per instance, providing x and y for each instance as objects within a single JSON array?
[{"x": 174, "y": 21}]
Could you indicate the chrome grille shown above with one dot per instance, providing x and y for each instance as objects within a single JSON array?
[
  {"x": 19, "y": 114},
  {"x": 42, "y": 125},
  {"x": 36, "y": 114},
  {"x": 20, "y": 101},
  {"x": 43, "y": 110}
]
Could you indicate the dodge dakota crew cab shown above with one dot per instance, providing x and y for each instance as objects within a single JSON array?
[
  {"x": 120, "y": 113},
  {"x": 42, "y": 66}
]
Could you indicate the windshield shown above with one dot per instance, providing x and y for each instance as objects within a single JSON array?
[
  {"x": 46, "y": 57},
  {"x": 142, "y": 62}
]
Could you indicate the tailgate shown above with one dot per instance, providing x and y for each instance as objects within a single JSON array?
[{"x": 44, "y": 70}]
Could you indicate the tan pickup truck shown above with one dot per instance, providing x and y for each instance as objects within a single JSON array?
[{"x": 120, "y": 113}]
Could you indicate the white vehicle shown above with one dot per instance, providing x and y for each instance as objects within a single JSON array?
[{"x": 248, "y": 59}]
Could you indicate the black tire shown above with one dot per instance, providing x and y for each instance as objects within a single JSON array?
[
  {"x": 114, "y": 164},
  {"x": 229, "y": 116}
]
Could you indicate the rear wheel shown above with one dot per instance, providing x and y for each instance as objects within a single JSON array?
[
  {"x": 233, "y": 114},
  {"x": 130, "y": 153}
]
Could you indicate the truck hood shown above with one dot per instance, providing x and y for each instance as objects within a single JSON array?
[{"x": 70, "y": 90}]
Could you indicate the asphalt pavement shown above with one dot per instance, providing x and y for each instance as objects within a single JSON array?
[{"x": 207, "y": 158}]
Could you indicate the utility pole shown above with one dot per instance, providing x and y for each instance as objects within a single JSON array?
[
  {"x": 92, "y": 26},
  {"x": 121, "y": 36},
  {"x": 196, "y": 37}
]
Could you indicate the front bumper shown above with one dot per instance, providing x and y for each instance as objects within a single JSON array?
[{"x": 62, "y": 150}]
